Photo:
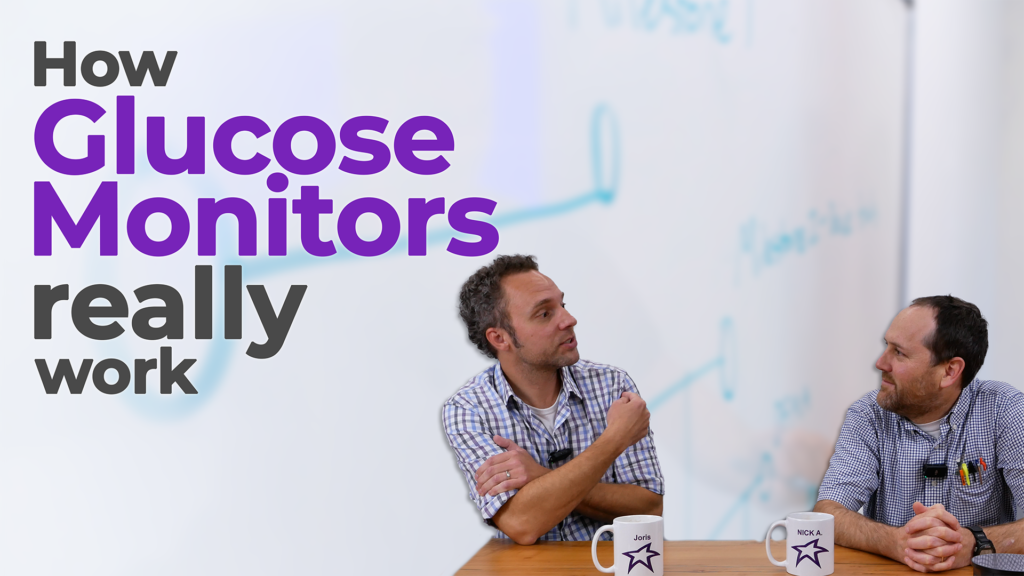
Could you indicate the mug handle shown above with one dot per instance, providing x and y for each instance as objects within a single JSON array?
[
  {"x": 593, "y": 548},
  {"x": 767, "y": 543}
]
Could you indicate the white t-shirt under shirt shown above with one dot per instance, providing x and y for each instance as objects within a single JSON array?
[
  {"x": 933, "y": 428},
  {"x": 546, "y": 416}
]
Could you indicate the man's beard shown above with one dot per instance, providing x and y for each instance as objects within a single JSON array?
[
  {"x": 552, "y": 361},
  {"x": 907, "y": 399}
]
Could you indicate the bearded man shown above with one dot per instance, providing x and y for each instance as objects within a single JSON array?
[{"x": 935, "y": 457}]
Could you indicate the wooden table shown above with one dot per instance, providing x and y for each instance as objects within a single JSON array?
[{"x": 502, "y": 557}]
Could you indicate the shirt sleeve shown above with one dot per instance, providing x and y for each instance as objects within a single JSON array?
[
  {"x": 639, "y": 463},
  {"x": 473, "y": 443},
  {"x": 852, "y": 476},
  {"x": 1010, "y": 450}
]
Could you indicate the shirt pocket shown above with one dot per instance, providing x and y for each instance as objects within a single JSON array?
[{"x": 976, "y": 500}]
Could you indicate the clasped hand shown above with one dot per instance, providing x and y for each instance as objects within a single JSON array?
[
  {"x": 932, "y": 541},
  {"x": 509, "y": 470}
]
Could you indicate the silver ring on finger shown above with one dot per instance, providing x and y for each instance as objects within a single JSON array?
[{"x": 508, "y": 475}]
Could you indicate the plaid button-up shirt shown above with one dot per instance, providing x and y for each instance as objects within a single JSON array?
[
  {"x": 880, "y": 456},
  {"x": 487, "y": 406}
]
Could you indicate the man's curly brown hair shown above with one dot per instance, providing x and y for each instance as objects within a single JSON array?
[{"x": 482, "y": 302}]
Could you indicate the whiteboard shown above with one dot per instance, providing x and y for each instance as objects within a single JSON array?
[{"x": 715, "y": 185}]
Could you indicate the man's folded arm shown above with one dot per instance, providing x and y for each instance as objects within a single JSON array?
[
  {"x": 527, "y": 514},
  {"x": 638, "y": 486},
  {"x": 546, "y": 501},
  {"x": 472, "y": 441},
  {"x": 605, "y": 502}
]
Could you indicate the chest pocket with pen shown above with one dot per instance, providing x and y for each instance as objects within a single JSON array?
[
  {"x": 973, "y": 472},
  {"x": 974, "y": 483}
]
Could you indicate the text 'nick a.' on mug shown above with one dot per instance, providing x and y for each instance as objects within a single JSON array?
[{"x": 810, "y": 544}]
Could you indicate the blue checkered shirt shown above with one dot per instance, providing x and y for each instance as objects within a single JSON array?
[
  {"x": 487, "y": 406},
  {"x": 879, "y": 458}
]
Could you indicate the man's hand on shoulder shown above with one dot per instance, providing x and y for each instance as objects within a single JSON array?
[
  {"x": 629, "y": 419},
  {"x": 933, "y": 540},
  {"x": 546, "y": 497},
  {"x": 521, "y": 468}
]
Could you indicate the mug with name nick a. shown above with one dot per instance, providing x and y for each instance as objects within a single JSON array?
[
  {"x": 639, "y": 545},
  {"x": 810, "y": 544}
]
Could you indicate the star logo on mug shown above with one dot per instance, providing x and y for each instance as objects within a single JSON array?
[
  {"x": 641, "y": 555},
  {"x": 809, "y": 551}
]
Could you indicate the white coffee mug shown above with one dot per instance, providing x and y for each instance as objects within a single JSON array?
[
  {"x": 639, "y": 546},
  {"x": 810, "y": 544}
]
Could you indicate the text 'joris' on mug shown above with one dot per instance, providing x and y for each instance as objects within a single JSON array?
[
  {"x": 810, "y": 544},
  {"x": 639, "y": 545}
]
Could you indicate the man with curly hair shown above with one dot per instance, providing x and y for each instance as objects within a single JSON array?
[{"x": 552, "y": 446}]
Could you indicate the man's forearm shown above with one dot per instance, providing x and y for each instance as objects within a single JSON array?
[
  {"x": 545, "y": 501},
  {"x": 1007, "y": 538},
  {"x": 855, "y": 531},
  {"x": 605, "y": 502}
]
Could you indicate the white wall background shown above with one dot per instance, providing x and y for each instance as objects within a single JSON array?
[
  {"x": 715, "y": 185},
  {"x": 967, "y": 194}
]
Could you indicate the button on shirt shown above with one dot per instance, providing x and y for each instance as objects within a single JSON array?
[
  {"x": 880, "y": 455},
  {"x": 486, "y": 406}
]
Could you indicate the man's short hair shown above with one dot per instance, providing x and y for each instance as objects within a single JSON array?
[
  {"x": 482, "y": 302},
  {"x": 960, "y": 331}
]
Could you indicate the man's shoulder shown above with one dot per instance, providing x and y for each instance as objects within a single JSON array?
[
  {"x": 999, "y": 390},
  {"x": 591, "y": 375},
  {"x": 866, "y": 408},
  {"x": 1000, "y": 399},
  {"x": 867, "y": 402},
  {"x": 596, "y": 369},
  {"x": 477, "y": 391}
]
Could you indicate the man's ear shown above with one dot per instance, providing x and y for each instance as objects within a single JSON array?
[
  {"x": 499, "y": 338},
  {"x": 954, "y": 369}
]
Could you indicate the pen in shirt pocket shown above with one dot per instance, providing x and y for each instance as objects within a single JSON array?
[{"x": 975, "y": 468}]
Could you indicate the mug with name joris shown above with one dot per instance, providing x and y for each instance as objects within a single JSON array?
[{"x": 638, "y": 548}]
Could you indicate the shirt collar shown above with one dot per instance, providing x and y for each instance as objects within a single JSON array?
[
  {"x": 501, "y": 385},
  {"x": 569, "y": 382},
  {"x": 956, "y": 415},
  {"x": 504, "y": 389},
  {"x": 963, "y": 404}
]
